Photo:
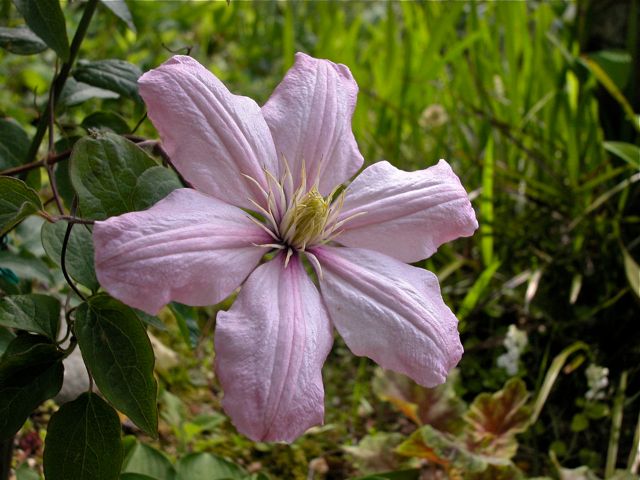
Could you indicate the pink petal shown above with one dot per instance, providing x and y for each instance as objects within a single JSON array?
[
  {"x": 188, "y": 247},
  {"x": 408, "y": 214},
  {"x": 390, "y": 312},
  {"x": 211, "y": 135},
  {"x": 309, "y": 115},
  {"x": 270, "y": 348}
]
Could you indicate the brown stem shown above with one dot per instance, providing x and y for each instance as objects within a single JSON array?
[{"x": 61, "y": 78}]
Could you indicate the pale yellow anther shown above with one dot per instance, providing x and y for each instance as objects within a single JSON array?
[{"x": 310, "y": 216}]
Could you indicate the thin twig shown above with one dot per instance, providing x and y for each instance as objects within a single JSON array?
[
  {"x": 50, "y": 172},
  {"x": 61, "y": 78},
  {"x": 40, "y": 163},
  {"x": 156, "y": 149},
  {"x": 144, "y": 117},
  {"x": 65, "y": 218},
  {"x": 63, "y": 254}
]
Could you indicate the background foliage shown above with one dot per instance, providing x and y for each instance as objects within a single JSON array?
[{"x": 535, "y": 106}]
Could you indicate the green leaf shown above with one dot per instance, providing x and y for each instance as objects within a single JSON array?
[
  {"x": 6, "y": 337},
  {"x": 116, "y": 349},
  {"x": 626, "y": 151},
  {"x": 478, "y": 289},
  {"x": 14, "y": 144},
  {"x": 75, "y": 93},
  {"x": 107, "y": 172},
  {"x": 79, "y": 256},
  {"x": 441, "y": 448},
  {"x": 83, "y": 441},
  {"x": 494, "y": 419},
  {"x": 33, "y": 312},
  {"x": 150, "y": 320},
  {"x": 121, "y": 10},
  {"x": 30, "y": 373},
  {"x": 26, "y": 266},
  {"x": 438, "y": 407},
  {"x": 153, "y": 185},
  {"x": 46, "y": 20},
  {"x": 111, "y": 74},
  {"x": 21, "y": 41},
  {"x": 617, "y": 64},
  {"x": 551, "y": 376},
  {"x": 17, "y": 201},
  {"x": 187, "y": 320},
  {"x": 145, "y": 460},
  {"x": 204, "y": 466},
  {"x": 106, "y": 121},
  {"x": 375, "y": 453},
  {"x": 23, "y": 472},
  {"x": 632, "y": 270}
]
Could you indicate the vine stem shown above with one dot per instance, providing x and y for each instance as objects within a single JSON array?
[
  {"x": 61, "y": 78},
  {"x": 63, "y": 255}
]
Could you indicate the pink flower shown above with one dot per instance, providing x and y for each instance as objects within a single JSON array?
[{"x": 284, "y": 161}]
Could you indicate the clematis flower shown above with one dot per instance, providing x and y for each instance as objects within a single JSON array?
[{"x": 285, "y": 163}]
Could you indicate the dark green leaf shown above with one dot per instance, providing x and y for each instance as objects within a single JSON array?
[
  {"x": 17, "y": 201},
  {"x": 150, "y": 320},
  {"x": 75, "y": 93},
  {"x": 121, "y": 10},
  {"x": 46, "y": 20},
  {"x": 34, "y": 313},
  {"x": 23, "y": 472},
  {"x": 5, "y": 339},
  {"x": 79, "y": 256},
  {"x": 26, "y": 266},
  {"x": 116, "y": 349},
  {"x": 9, "y": 281},
  {"x": 115, "y": 75},
  {"x": 83, "y": 441},
  {"x": 65, "y": 189},
  {"x": 107, "y": 171},
  {"x": 204, "y": 466},
  {"x": 14, "y": 144},
  {"x": 21, "y": 41},
  {"x": 145, "y": 460},
  {"x": 30, "y": 373},
  {"x": 106, "y": 121},
  {"x": 187, "y": 320},
  {"x": 153, "y": 185},
  {"x": 617, "y": 64},
  {"x": 626, "y": 151}
]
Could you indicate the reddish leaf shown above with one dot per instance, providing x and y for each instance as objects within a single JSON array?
[
  {"x": 493, "y": 420},
  {"x": 438, "y": 407}
]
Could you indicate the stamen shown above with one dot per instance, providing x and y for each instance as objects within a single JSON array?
[
  {"x": 286, "y": 260},
  {"x": 316, "y": 264},
  {"x": 279, "y": 246},
  {"x": 264, "y": 227}
]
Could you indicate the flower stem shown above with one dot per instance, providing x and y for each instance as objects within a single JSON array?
[{"x": 61, "y": 78}]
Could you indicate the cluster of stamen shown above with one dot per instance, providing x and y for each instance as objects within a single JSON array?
[{"x": 300, "y": 219}]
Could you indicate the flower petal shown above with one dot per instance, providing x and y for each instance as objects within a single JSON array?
[
  {"x": 188, "y": 247},
  {"x": 408, "y": 214},
  {"x": 211, "y": 135},
  {"x": 309, "y": 115},
  {"x": 390, "y": 312},
  {"x": 270, "y": 348}
]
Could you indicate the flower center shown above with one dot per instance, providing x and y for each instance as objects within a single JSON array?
[{"x": 305, "y": 220}]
